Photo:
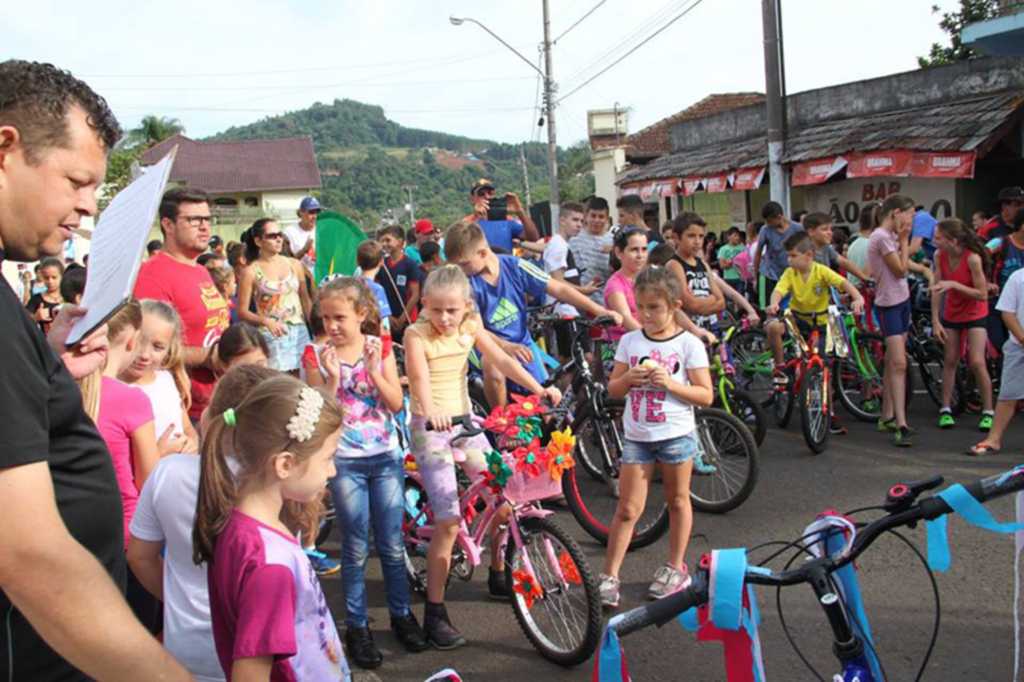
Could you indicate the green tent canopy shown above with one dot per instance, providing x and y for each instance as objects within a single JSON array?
[{"x": 337, "y": 239}]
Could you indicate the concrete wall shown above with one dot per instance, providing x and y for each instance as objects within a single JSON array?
[
  {"x": 889, "y": 93},
  {"x": 607, "y": 165}
]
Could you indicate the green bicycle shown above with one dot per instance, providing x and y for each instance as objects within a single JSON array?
[{"x": 734, "y": 399}]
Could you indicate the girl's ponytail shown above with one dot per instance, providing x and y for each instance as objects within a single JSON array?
[
  {"x": 216, "y": 491},
  {"x": 956, "y": 229}
]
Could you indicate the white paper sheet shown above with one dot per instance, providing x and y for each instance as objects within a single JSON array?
[{"x": 118, "y": 244}]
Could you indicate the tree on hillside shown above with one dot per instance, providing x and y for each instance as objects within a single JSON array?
[
  {"x": 152, "y": 130},
  {"x": 576, "y": 173},
  {"x": 953, "y": 24}
]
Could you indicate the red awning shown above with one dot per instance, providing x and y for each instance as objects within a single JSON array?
[
  {"x": 716, "y": 183},
  {"x": 943, "y": 165},
  {"x": 669, "y": 189},
  {"x": 817, "y": 171},
  {"x": 892, "y": 163},
  {"x": 748, "y": 178}
]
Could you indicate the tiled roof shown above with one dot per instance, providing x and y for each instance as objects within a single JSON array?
[
  {"x": 968, "y": 125},
  {"x": 655, "y": 140},
  {"x": 244, "y": 166}
]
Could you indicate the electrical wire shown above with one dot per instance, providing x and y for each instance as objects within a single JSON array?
[
  {"x": 785, "y": 627},
  {"x": 578, "y": 22},
  {"x": 362, "y": 83},
  {"x": 634, "y": 49}
]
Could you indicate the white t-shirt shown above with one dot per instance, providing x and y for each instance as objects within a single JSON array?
[
  {"x": 166, "y": 509},
  {"x": 167, "y": 409},
  {"x": 297, "y": 238},
  {"x": 654, "y": 414},
  {"x": 556, "y": 257},
  {"x": 1012, "y": 298}
]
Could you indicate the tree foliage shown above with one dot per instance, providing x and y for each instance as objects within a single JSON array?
[
  {"x": 365, "y": 161},
  {"x": 953, "y": 24},
  {"x": 152, "y": 130}
]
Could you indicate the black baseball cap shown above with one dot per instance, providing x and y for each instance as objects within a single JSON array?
[
  {"x": 482, "y": 183},
  {"x": 1011, "y": 194}
]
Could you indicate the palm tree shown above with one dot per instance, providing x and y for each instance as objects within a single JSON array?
[{"x": 153, "y": 130}]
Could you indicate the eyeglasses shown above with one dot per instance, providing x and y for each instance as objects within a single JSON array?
[
  {"x": 197, "y": 220},
  {"x": 273, "y": 235}
]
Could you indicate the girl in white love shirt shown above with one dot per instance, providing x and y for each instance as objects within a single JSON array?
[{"x": 662, "y": 371}]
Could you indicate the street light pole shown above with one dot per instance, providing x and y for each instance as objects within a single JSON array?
[{"x": 412, "y": 207}]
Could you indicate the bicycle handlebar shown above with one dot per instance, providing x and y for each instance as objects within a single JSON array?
[
  {"x": 932, "y": 507},
  {"x": 470, "y": 426}
]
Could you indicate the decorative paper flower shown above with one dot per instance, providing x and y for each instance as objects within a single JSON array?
[
  {"x": 501, "y": 423},
  {"x": 497, "y": 468},
  {"x": 557, "y": 465},
  {"x": 560, "y": 453},
  {"x": 568, "y": 568},
  {"x": 529, "y": 428},
  {"x": 410, "y": 463},
  {"x": 525, "y": 406},
  {"x": 491, "y": 482},
  {"x": 307, "y": 414},
  {"x": 529, "y": 458},
  {"x": 526, "y": 585}
]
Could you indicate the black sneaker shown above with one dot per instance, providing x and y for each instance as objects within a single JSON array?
[
  {"x": 361, "y": 649},
  {"x": 408, "y": 631},
  {"x": 440, "y": 631},
  {"x": 496, "y": 585}
]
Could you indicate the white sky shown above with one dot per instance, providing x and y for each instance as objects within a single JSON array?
[{"x": 211, "y": 64}]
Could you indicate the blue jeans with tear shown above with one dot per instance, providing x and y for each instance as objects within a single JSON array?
[{"x": 371, "y": 490}]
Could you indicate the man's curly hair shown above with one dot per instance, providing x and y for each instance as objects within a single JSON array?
[{"x": 35, "y": 99}]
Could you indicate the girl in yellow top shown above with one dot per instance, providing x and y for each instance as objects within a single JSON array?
[
  {"x": 808, "y": 284},
  {"x": 436, "y": 355}
]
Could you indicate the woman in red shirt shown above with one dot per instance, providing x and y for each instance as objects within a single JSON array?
[{"x": 960, "y": 264}]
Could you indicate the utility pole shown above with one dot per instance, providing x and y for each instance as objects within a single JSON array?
[
  {"x": 549, "y": 100},
  {"x": 773, "y": 76},
  {"x": 526, "y": 175},
  {"x": 412, "y": 206}
]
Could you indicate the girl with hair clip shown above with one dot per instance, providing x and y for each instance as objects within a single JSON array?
[
  {"x": 160, "y": 549},
  {"x": 158, "y": 368},
  {"x": 662, "y": 371},
  {"x": 277, "y": 284},
  {"x": 269, "y": 617},
  {"x": 437, "y": 351},
  {"x": 960, "y": 306},
  {"x": 368, "y": 487}
]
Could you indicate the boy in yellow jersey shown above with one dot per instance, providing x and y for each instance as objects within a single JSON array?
[{"x": 808, "y": 284}]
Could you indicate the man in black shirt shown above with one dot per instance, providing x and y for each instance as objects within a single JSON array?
[
  {"x": 400, "y": 277},
  {"x": 62, "y": 570}
]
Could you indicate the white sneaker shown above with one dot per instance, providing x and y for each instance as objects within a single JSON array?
[
  {"x": 609, "y": 589},
  {"x": 668, "y": 580}
]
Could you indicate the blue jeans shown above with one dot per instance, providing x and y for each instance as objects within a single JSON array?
[{"x": 371, "y": 488}]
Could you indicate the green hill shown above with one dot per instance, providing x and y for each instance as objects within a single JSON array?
[{"x": 366, "y": 159}]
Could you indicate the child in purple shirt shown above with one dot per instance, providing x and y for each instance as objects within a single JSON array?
[{"x": 270, "y": 620}]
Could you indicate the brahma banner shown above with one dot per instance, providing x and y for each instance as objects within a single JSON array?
[
  {"x": 892, "y": 163},
  {"x": 691, "y": 185},
  {"x": 817, "y": 171},
  {"x": 716, "y": 183},
  {"x": 943, "y": 165},
  {"x": 748, "y": 178}
]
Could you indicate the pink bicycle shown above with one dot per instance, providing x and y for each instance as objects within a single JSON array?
[{"x": 554, "y": 592}]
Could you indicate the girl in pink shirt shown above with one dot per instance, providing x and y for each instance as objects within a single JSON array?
[
  {"x": 630, "y": 254},
  {"x": 270, "y": 620}
]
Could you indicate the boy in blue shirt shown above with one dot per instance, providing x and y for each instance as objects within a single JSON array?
[{"x": 501, "y": 285}]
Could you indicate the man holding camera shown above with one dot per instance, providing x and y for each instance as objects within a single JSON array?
[{"x": 492, "y": 215}]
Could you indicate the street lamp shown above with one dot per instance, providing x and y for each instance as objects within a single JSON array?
[{"x": 549, "y": 98}]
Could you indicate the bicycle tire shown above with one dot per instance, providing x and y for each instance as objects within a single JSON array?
[
  {"x": 782, "y": 407},
  {"x": 729, "y": 449},
  {"x": 850, "y": 381},
  {"x": 748, "y": 348},
  {"x": 535, "y": 529},
  {"x": 593, "y": 501},
  {"x": 748, "y": 409},
  {"x": 814, "y": 408},
  {"x": 591, "y": 462}
]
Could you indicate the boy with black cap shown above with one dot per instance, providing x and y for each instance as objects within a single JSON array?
[
  {"x": 500, "y": 233},
  {"x": 1011, "y": 200}
]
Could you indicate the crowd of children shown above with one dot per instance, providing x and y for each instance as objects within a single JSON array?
[{"x": 308, "y": 396}]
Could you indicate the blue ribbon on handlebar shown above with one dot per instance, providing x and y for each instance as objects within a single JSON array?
[
  {"x": 964, "y": 504},
  {"x": 611, "y": 661}
]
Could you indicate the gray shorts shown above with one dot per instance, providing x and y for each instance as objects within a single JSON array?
[{"x": 1012, "y": 379}]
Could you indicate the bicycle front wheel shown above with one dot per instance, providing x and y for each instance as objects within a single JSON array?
[
  {"x": 557, "y": 603},
  {"x": 814, "y": 408},
  {"x": 752, "y": 358},
  {"x": 858, "y": 378},
  {"x": 725, "y": 472},
  {"x": 593, "y": 500},
  {"x": 748, "y": 409}
]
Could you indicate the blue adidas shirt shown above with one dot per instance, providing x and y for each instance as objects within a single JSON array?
[{"x": 503, "y": 305}]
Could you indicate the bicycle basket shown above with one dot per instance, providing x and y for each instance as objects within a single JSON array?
[{"x": 523, "y": 489}]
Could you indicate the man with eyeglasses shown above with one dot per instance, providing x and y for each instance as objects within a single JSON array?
[
  {"x": 500, "y": 233},
  {"x": 174, "y": 276}
]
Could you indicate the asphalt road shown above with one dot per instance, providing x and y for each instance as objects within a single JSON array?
[{"x": 976, "y": 640}]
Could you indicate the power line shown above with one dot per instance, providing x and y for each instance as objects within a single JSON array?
[
  {"x": 578, "y": 22},
  {"x": 646, "y": 26},
  {"x": 642, "y": 43},
  {"x": 361, "y": 83}
]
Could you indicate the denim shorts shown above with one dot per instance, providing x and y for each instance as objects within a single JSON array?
[{"x": 672, "y": 451}]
